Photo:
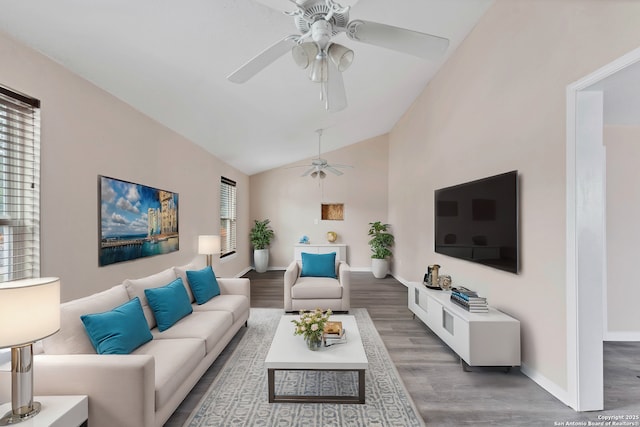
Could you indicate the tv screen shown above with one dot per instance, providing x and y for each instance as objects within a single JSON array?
[{"x": 478, "y": 221}]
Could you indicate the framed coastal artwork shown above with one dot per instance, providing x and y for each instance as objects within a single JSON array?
[{"x": 135, "y": 221}]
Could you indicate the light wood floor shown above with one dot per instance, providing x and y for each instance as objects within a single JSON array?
[{"x": 443, "y": 393}]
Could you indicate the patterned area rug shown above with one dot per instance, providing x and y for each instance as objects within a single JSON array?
[{"x": 238, "y": 395}]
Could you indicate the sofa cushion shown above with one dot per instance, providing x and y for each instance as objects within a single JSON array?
[
  {"x": 72, "y": 337},
  {"x": 203, "y": 284},
  {"x": 318, "y": 265},
  {"x": 316, "y": 288},
  {"x": 169, "y": 303},
  {"x": 136, "y": 287},
  {"x": 181, "y": 272},
  {"x": 237, "y": 305},
  {"x": 174, "y": 360},
  {"x": 209, "y": 326},
  {"x": 118, "y": 331}
]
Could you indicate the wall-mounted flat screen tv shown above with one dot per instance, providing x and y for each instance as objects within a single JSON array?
[{"x": 478, "y": 221}]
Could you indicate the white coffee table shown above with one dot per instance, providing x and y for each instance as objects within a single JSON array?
[{"x": 289, "y": 352}]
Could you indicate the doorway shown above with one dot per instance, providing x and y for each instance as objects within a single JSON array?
[{"x": 586, "y": 233}]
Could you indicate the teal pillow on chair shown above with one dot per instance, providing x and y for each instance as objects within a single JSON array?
[
  {"x": 169, "y": 303},
  {"x": 119, "y": 331},
  {"x": 318, "y": 265},
  {"x": 203, "y": 284}
]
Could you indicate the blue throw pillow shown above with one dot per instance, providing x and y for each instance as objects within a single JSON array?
[
  {"x": 119, "y": 331},
  {"x": 318, "y": 265},
  {"x": 203, "y": 284},
  {"x": 169, "y": 303}
]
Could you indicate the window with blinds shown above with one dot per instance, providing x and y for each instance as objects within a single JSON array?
[
  {"x": 228, "y": 217},
  {"x": 19, "y": 186}
]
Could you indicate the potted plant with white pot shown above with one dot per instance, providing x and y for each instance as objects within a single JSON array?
[
  {"x": 381, "y": 242},
  {"x": 260, "y": 236}
]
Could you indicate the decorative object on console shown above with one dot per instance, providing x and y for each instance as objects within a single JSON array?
[
  {"x": 444, "y": 281},
  {"x": 304, "y": 240},
  {"x": 209, "y": 245},
  {"x": 380, "y": 243},
  {"x": 124, "y": 206},
  {"x": 311, "y": 326},
  {"x": 32, "y": 308},
  {"x": 432, "y": 272},
  {"x": 260, "y": 236},
  {"x": 332, "y": 236},
  {"x": 469, "y": 300}
]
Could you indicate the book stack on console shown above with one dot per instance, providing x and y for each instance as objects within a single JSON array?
[
  {"x": 334, "y": 333},
  {"x": 469, "y": 300}
]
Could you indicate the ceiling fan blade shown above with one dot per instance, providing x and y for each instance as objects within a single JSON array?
[
  {"x": 333, "y": 170},
  {"x": 333, "y": 165},
  {"x": 336, "y": 94},
  {"x": 263, "y": 59},
  {"x": 309, "y": 171},
  {"x": 412, "y": 42}
]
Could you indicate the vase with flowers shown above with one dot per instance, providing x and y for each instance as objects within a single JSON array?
[{"x": 311, "y": 326}]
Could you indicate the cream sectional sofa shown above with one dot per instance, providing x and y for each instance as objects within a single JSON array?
[{"x": 141, "y": 389}]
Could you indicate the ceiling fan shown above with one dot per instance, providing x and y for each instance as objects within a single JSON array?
[
  {"x": 318, "y": 22},
  {"x": 318, "y": 166}
]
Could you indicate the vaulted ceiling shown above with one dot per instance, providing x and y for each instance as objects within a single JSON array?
[{"x": 170, "y": 59}]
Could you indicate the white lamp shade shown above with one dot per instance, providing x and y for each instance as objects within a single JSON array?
[
  {"x": 208, "y": 245},
  {"x": 303, "y": 54},
  {"x": 29, "y": 310},
  {"x": 341, "y": 56}
]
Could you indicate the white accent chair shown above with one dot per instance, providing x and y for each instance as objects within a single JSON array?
[{"x": 309, "y": 293}]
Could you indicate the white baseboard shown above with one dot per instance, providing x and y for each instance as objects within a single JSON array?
[
  {"x": 245, "y": 271},
  {"x": 361, "y": 269},
  {"x": 401, "y": 280},
  {"x": 544, "y": 382},
  {"x": 622, "y": 336}
]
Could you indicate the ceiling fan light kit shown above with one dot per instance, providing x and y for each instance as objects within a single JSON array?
[{"x": 320, "y": 21}]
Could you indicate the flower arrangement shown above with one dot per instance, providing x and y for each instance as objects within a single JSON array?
[
  {"x": 311, "y": 325},
  {"x": 304, "y": 240}
]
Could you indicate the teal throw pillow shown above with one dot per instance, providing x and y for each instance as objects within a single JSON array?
[
  {"x": 169, "y": 303},
  {"x": 204, "y": 285},
  {"x": 318, "y": 265},
  {"x": 119, "y": 331}
]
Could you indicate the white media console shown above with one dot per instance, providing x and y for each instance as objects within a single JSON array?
[{"x": 479, "y": 339}]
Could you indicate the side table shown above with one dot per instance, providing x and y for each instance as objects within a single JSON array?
[{"x": 57, "y": 411}]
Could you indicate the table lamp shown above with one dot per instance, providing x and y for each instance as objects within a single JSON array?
[
  {"x": 208, "y": 245},
  {"x": 29, "y": 311}
]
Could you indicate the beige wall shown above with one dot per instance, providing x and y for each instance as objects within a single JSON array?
[
  {"x": 623, "y": 229},
  {"x": 497, "y": 105},
  {"x": 292, "y": 203},
  {"x": 87, "y": 132}
]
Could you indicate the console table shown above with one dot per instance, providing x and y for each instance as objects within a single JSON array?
[
  {"x": 339, "y": 248},
  {"x": 479, "y": 339}
]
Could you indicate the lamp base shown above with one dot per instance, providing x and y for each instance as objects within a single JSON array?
[{"x": 13, "y": 418}]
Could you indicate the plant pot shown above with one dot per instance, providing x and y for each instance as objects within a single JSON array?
[
  {"x": 379, "y": 268},
  {"x": 261, "y": 260}
]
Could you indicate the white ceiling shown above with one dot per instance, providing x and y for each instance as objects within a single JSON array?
[{"x": 169, "y": 59}]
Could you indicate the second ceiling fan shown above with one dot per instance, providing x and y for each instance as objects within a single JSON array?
[{"x": 318, "y": 22}]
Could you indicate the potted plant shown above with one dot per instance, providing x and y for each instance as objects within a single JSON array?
[
  {"x": 380, "y": 243},
  {"x": 260, "y": 236}
]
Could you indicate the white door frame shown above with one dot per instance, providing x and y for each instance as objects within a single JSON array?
[{"x": 586, "y": 239}]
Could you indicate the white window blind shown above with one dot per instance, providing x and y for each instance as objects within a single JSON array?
[
  {"x": 19, "y": 186},
  {"x": 228, "y": 216}
]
